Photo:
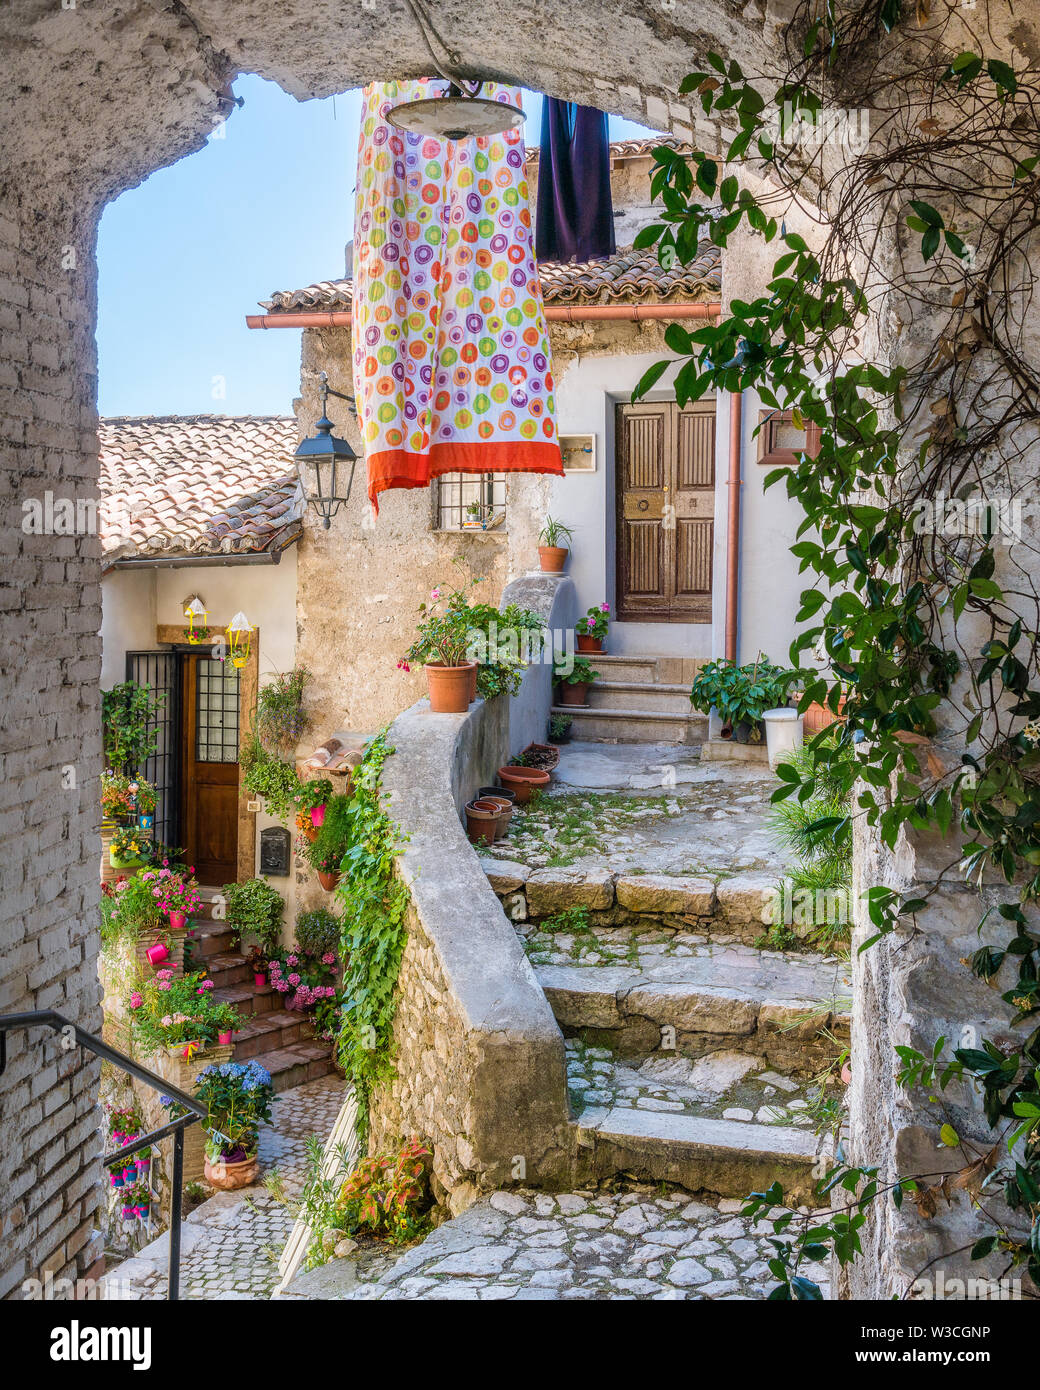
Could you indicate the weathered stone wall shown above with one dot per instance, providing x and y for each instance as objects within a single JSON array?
[{"x": 480, "y": 1061}]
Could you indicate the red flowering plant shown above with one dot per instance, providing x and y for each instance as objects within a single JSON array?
[
  {"x": 174, "y": 890},
  {"x": 389, "y": 1194}
]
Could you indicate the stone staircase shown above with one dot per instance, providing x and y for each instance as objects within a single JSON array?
[
  {"x": 639, "y": 699},
  {"x": 281, "y": 1040},
  {"x": 692, "y": 1053}
]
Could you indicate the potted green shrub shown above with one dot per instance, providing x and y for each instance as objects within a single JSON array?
[
  {"x": 741, "y": 694},
  {"x": 552, "y": 556},
  {"x": 559, "y": 728},
  {"x": 281, "y": 720},
  {"x": 575, "y": 678},
  {"x": 254, "y": 909},
  {"x": 144, "y": 800}
]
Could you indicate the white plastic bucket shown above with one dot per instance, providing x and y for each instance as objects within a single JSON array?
[{"x": 783, "y": 733}]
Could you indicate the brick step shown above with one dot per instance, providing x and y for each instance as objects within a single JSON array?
[
  {"x": 211, "y": 938},
  {"x": 228, "y": 969},
  {"x": 270, "y": 1032},
  {"x": 633, "y": 725},
  {"x": 249, "y": 1000},
  {"x": 761, "y": 1004},
  {"x": 207, "y": 892},
  {"x": 657, "y": 698},
  {"x": 721, "y": 1124}
]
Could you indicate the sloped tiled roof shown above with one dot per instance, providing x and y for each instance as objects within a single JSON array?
[
  {"x": 197, "y": 485},
  {"x": 626, "y": 277}
]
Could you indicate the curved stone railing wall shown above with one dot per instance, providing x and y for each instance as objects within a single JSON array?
[{"x": 480, "y": 1058}]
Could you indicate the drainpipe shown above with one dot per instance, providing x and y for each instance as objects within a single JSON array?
[
  {"x": 554, "y": 313},
  {"x": 733, "y": 525}
]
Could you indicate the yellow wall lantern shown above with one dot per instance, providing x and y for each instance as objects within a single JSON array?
[
  {"x": 196, "y": 614},
  {"x": 239, "y": 635}
]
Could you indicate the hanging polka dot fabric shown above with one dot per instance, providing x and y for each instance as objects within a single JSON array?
[{"x": 452, "y": 369}]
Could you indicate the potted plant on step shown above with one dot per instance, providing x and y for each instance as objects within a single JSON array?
[
  {"x": 174, "y": 1013},
  {"x": 591, "y": 631},
  {"x": 145, "y": 802},
  {"x": 226, "y": 1020},
  {"x": 129, "y": 848},
  {"x": 742, "y": 694},
  {"x": 552, "y": 556},
  {"x": 560, "y": 728},
  {"x": 254, "y": 909},
  {"x": 575, "y": 678}
]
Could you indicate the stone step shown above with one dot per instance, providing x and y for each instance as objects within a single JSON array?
[
  {"x": 228, "y": 969},
  {"x": 657, "y": 698},
  {"x": 724, "y": 1123},
  {"x": 633, "y": 725},
  {"x": 647, "y": 670},
  {"x": 762, "y": 1004},
  {"x": 270, "y": 1032},
  {"x": 299, "y": 1062}
]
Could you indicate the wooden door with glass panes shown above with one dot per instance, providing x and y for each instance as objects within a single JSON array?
[{"x": 210, "y": 768}]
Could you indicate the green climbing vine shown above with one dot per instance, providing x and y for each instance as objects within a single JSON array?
[
  {"x": 374, "y": 902},
  {"x": 921, "y": 626}
]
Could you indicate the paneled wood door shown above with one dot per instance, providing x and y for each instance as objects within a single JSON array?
[
  {"x": 665, "y": 495},
  {"x": 210, "y": 768}
]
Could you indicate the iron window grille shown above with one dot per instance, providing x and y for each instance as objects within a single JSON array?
[{"x": 456, "y": 492}]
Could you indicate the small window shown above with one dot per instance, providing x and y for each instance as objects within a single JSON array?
[
  {"x": 216, "y": 712},
  {"x": 780, "y": 440},
  {"x": 470, "y": 501}
]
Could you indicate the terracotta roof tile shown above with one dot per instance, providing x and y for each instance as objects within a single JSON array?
[
  {"x": 197, "y": 485},
  {"x": 628, "y": 276}
]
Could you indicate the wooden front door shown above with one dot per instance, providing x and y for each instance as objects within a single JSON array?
[
  {"x": 665, "y": 494},
  {"x": 210, "y": 768}
]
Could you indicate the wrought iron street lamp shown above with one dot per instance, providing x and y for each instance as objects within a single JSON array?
[{"x": 321, "y": 457}]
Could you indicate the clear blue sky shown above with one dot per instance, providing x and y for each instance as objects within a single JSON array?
[{"x": 184, "y": 257}]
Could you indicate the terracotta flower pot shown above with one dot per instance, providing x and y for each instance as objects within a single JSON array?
[
  {"x": 589, "y": 644},
  {"x": 328, "y": 881},
  {"x": 226, "y": 1177},
  {"x": 505, "y": 812},
  {"x": 310, "y": 832},
  {"x": 473, "y": 681},
  {"x": 449, "y": 687},
  {"x": 552, "y": 558},
  {"x": 482, "y": 821},
  {"x": 523, "y": 781},
  {"x": 574, "y": 692}
]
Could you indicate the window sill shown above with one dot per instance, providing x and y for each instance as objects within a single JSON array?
[{"x": 498, "y": 534}]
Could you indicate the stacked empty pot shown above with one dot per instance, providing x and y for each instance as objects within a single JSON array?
[{"x": 488, "y": 815}]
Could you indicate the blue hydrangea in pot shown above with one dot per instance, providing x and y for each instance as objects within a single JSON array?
[{"x": 238, "y": 1098}]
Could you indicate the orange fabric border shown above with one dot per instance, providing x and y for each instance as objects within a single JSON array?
[{"x": 397, "y": 468}]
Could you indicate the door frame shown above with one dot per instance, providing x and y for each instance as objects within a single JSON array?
[
  {"x": 615, "y": 510},
  {"x": 170, "y": 635}
]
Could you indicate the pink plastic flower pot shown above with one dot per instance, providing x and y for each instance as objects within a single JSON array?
[
  {"x": 224, "y": 1038},
  {"x": 317, "y": 816},
  {"x": 178, "y": 921},
  {"x": 158, "y": 952},
  {"x": 260, "y": 980}
]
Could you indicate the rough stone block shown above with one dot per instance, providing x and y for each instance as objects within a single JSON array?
[
  {"x": 552, "y": 890},
  {"x": 665, "y": 893}
]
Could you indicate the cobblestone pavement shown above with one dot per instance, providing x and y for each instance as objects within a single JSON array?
[
  {"x": 723, "y": 1085},
  {"x": 230, "y": 1245},
  {"x": 666, "y": 817},
  {"x": 634, "y": 1242}
]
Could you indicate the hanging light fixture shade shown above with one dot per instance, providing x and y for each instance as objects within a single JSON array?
[
  {"x": 239, "y": 635},
  {"x": 457, "y": 116},
  {"x": 196, "y": 614}
]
